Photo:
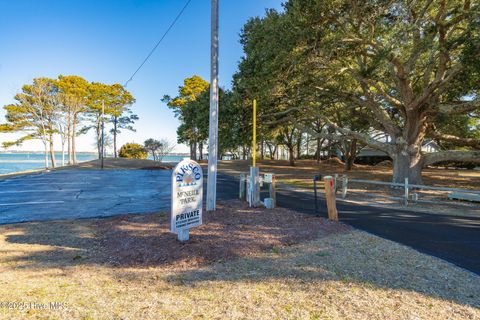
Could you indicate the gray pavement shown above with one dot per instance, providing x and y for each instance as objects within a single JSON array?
[{"x": 73, "y": 194}]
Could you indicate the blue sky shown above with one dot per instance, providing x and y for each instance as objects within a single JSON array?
[{"x": 106, "y": 40}]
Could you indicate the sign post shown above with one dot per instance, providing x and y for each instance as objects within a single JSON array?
[{"x": 187, "y": 193}]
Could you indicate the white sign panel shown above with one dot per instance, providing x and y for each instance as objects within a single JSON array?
[{"x": 187, "y": 188}]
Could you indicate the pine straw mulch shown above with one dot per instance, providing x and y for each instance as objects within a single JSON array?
[{"x": 234, "y": 230}]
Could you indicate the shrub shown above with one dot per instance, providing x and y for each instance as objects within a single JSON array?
[{"x": 133, "y": 151}]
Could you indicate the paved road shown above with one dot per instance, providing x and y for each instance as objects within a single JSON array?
[
  {"x": 83, "y": 194},
  {"x": 94, "y": 193},
  {"x": 452, "y": 238}
]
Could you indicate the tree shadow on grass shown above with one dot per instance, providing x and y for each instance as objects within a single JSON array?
[
  {"x": 233, "y": 231},
  {"x": 351, "y": 258},
  {"x": 236, "y": 243}
]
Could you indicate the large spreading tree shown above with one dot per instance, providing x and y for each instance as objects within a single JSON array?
[{"x": 404, "y": 66}]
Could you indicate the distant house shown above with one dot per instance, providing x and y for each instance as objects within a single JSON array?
[
  {"x": 428, "y": 146},
  {"x": 372, "y": 156}
]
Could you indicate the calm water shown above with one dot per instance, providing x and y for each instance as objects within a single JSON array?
[{"x": 16, "y": 162}]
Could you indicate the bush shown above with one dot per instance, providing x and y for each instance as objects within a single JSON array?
[{"x": 133, "y": 151}]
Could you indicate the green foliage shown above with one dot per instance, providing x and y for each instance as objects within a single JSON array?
[
  {"x": 395, "y": 67},
  {"x": 133, "y": 151},
  {"x": 192, "y": 114}
]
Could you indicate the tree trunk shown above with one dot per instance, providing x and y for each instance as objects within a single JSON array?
[
  {"x": 115, "y": 121},
  {"x": 406, "y": 166},
  {"x": 74, "y": 136},
  {"x": 350, "y": 154},
  {"x": 291, "y": 155},
  {"x": 261, "y": 150},
  {"x": 63, "y": 152},
  {"x": 99, "y": 139},
  {"x": 69, "y": 139},
  {"x": 269, "y": 146},
  {"x": 194, "y": 151},
  {"x": 407, "y": 157},
  {"x": 317, "y": 153},
  {"x": 45, "y": 154},
  {"x": 299, "y": 146},
  {"x": 200, "y": 150},
  {"x": 52, "y": 152}
]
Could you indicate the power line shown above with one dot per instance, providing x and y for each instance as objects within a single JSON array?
[{"x": 159, "y": 41}]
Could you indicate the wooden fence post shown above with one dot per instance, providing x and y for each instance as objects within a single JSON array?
[{"x": 330, "y": 197}]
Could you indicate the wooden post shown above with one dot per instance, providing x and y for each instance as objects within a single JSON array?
[
  {"x": 330, "y": 197},
  {"x": 344, "y": 186},
  {"x": 406, "y": 192}
]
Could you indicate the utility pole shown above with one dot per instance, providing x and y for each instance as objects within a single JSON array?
[
  {"x": 213, "y": 124},
  {"x": 103, "y": 132}
]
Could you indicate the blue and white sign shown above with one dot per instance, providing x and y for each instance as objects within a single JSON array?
[{"x": 187, "y": 193}]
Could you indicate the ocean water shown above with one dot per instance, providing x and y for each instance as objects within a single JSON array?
[{"x": 16, "y": 162}]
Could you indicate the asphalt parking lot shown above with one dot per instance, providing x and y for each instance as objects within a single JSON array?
[{"x": 73, "y": 194}]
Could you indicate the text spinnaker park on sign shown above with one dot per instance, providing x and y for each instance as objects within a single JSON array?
[{"x": 187, "y": 194}]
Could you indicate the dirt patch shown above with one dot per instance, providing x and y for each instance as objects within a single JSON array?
[{"x": 234, "y": 230}]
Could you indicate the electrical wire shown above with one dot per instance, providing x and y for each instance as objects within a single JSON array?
[{"x": 159, "y": 41}]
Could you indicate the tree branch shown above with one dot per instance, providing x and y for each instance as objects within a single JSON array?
[
  {"x": 460, "y": 107},
  {"x": 452, "y": 155},
  {"x": 470, "y": 142}
]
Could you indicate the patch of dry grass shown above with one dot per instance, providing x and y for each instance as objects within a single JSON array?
[
  {"x": 343, "y": 275},
  {"x": 304, "y": 170}
]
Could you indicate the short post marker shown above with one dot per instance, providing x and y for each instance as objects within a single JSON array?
[
  {"x": 242, "y": 192},
  {"x": 315, "y": 187},
  {"x": 344, "y": 186},
  {"x": 330, "y": 197},
  {"x": 406, "y": 192}
]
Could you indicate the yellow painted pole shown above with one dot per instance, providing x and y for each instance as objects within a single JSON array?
[{"x": 254, "y": 140}]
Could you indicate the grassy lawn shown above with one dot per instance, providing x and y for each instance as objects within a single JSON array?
[
  {"x": 242, "y": 264},
  {"x": 300, "y": 183}
]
